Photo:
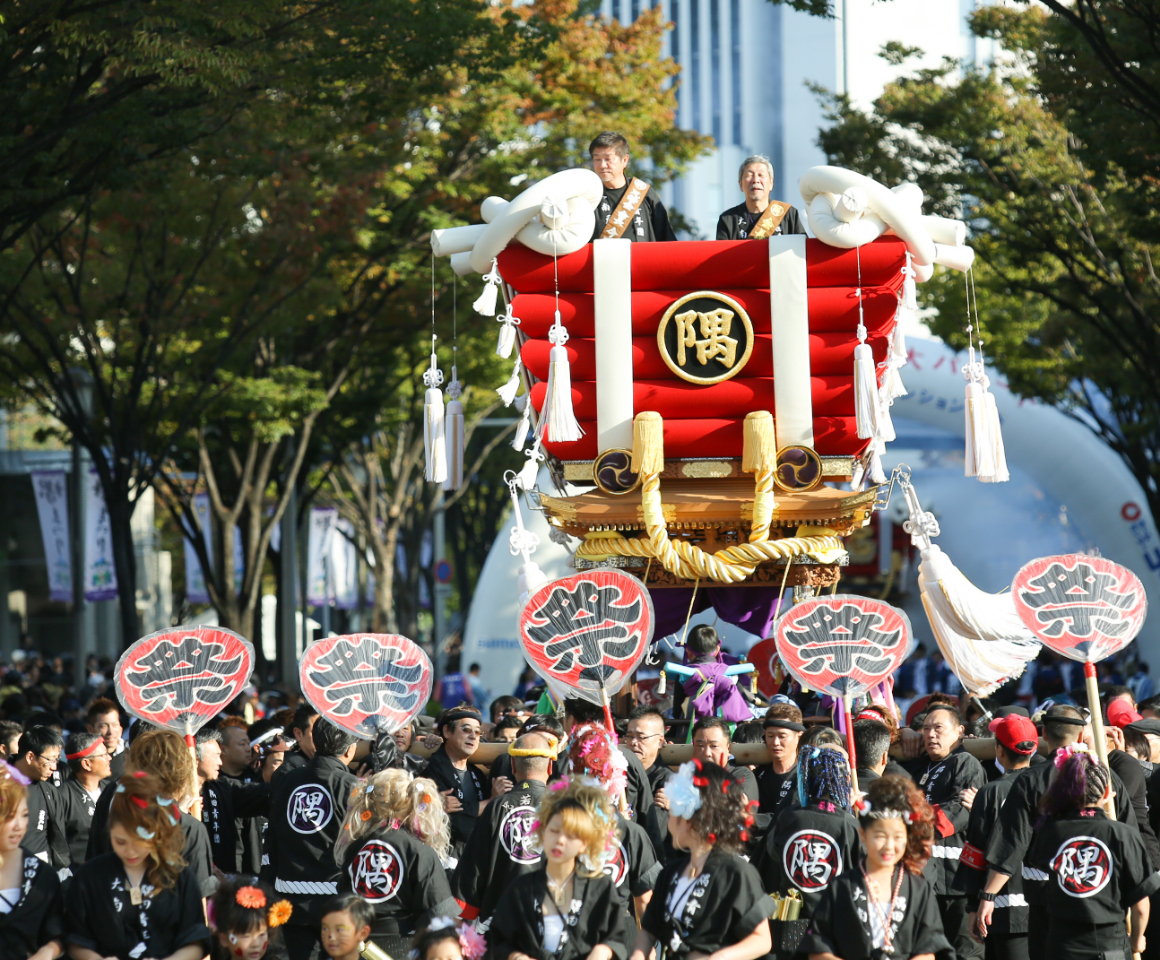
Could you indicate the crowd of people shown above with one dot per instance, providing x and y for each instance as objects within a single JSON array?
[{"x": 287, "y": 837}]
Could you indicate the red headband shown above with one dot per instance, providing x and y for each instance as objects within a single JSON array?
[{"x": 81, "y": 754}]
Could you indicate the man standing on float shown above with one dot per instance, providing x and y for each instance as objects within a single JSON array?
[
  {"x": 630, "y": 208},
  {"x": 759, "y": 216}
]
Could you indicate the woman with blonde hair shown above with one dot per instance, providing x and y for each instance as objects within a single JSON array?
[
  {"x": 393, "y": 849},
  {"x": 568, "y": 909},
  {"x": 31, "y": 914},
  {"x": 162, "y": 754},
  {"x": 141, "y": 900}
]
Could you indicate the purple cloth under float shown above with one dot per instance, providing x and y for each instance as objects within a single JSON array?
[{"x": 750, "y": 608}]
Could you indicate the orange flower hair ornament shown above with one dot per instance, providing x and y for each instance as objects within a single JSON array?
[
  {"x": 252, "y": 898},
  {"x": 279, "y": 913}
]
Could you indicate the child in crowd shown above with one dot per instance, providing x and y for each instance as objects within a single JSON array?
[
  {"x": 346, "y": 926},
  {"x": 883, "y": 907},
  {"x": 140, "y": 901},
  {"x": 245, "y": 917},
  {"x": 444, "y": 939}
]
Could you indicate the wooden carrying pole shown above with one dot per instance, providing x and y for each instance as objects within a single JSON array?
[
  {"x": 850, "y": 746},
  {"x": 1089, "y": 675}
]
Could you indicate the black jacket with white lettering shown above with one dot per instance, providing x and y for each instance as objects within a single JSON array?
[
  {"x": 942, "y": 783},
  {"x": 401, "y": 878},
  {"x": 306, "y": 814}
]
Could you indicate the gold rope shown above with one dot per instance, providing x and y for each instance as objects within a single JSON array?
[{"x": 689, "y": 614}]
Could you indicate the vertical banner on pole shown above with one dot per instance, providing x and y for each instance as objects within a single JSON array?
[
  {"x": 321, "y": 532},
  {"x": 195, "y": 589},
  {"x": 344, "y": 566},
  {"x": 52, "y": 508},
  {"x": 100, "y": 573}
]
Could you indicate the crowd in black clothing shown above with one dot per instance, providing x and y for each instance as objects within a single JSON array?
[{"x": 578, "y": 844}]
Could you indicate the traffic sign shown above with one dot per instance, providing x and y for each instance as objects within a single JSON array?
[{"x": 443, "y": 571}]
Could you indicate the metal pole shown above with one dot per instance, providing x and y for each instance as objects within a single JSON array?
[{"x": 288, "y": 652}]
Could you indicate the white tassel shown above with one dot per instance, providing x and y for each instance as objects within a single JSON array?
[
  {"x": 507, "y": 393},
  {"x": 909, "y": 289},
  {"x": 487, "y": 300},
  {"x": 531, "y": 470},
  {"x": 434, "y": 438},
  {"x": 979, "y": 449},
  {"x": 453, "y": 429},
  {"x": 524, "y": 425},
  {"x": 877, "y": 474},
  {"x": 1000, "y": 473},
  {"x": 866, "y": 404},
  {"x": 885, "y": 422},
  {"x": 558, "y": 422},
  {"x": 507, "y": 333}
]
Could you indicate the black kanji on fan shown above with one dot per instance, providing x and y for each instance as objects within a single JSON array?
[
  {"x": 1080, "y": 602},
  {"x": 584, "y": 625},
  {"x": 362, "y": 676},
  {"x": 178, "y": 675},
  {"x": 843, "y": 640}
]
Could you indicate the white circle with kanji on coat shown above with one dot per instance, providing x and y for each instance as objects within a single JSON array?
[{"x": 376, "y": 872}]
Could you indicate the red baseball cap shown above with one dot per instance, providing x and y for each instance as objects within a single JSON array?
[
  {"x": 1120, "y": 713},
  {"x": 1016, "y": 733}
]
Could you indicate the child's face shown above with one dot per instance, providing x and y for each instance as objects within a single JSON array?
[
  {"x": 446, "y": 949},
  {"x": 246, "y": 946},
  {"x": 340, "y": 936},
  {"x": 885, "y": 842},
  {"x": 129, "y": 847}
]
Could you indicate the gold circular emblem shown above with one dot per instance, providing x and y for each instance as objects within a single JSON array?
[
  {"x": 612, "y": 472},
  {"x": 798, "y": 469},
  {"x": 705, "y": 337}
]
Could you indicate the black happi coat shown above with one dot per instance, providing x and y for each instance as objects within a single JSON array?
[
  {"x": 196, "y": 851},
  {"x": 101, "y": 916},
  {"x": 1007, "y": 846},
  {"x": 596, "y": 915},
  {"x": 775, "y": 791},
  {"x": 251, "y": 801},
  {"x": 1097, "y": 869},
  {"x": 941, "y": 782},
  {"x": 808, "y": 850},
  {"x": 633, "y": 866},
  {"x": 650, "y": 223},
  {"x": 306, "y": 814},
  {"x": 1010, "y": 914},
  {"x": 841, "y": 922},
  {"x": 499, "y": 851},
  {"x": 449, "y": 777},
  {"x": 39, "y": 914},
  {"x": 401, "y": 878},
  {"x": 1131, "y": 772},
  {"x": 46, "y": 833},
  {"x": 724, "y": 906},
  {"x": 736, "y": 222},
  {"x": 78, "y": 809}
]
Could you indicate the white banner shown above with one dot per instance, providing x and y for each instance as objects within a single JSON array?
[
  {"x": 51, "y": 491},
  {"x": 100, "y": 572},
  {"x": 195, "y": 590},
  {"x": 319, "y": 572}
]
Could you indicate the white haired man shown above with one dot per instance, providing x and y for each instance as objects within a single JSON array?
[{"x": 759, "y": 216}]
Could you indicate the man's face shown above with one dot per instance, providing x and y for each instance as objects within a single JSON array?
[
  {"x": 10, "y": 748},
  {"x": 235, "y": 748},
  {"x": 98, "y": 763},
  {"x": 756, "y": 182},
  {"x": 42, "y": 765},
  {"x": 711, "y": 746},
  {"x": 608, "y": 164},
  {"x": 1154, "y": 745},
  {"x": 402, "y": 738},
  {"x": 506, "y": 735},
  {"x": 107, "y": 725},
  {"x": 462, "y": 737},
  {"x": 782, "y": 745},
  {"x": 645, "y": 737},
  {"x": 305, "y": 738},
  {"x": 940, "y": 734},
  {"x": 209, "y": 764}
]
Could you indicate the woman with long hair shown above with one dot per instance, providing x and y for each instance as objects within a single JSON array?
[
  {"x": 141, "y": 900},
  {"x": 1100, "y": 866},
  {"x": 393, "y": 848},
  {"x": 633, "y": 864},
  {"x": 882, "y": 907},
  {"x": 568, "y": 909},
  {"x": 813, "y": 844},
  {"x": 31, "y": 912},
  {"x": 709, "y": 900}
]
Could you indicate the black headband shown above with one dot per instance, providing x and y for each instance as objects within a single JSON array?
[
  {"x": 455, "y": 716},
  {"x": 783, "y": 724},
  {"x": 1071, "y": 721}
]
